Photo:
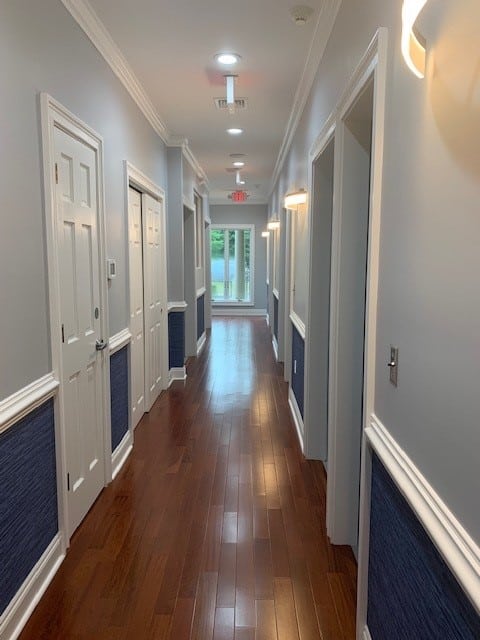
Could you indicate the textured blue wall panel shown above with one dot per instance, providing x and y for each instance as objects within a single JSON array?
[
  {"x": 176, "y": 339},
  {"x": 275, "y": 317},
  {"x": 119, "y": 395},
  {"x": 412, "y": 594},
  {"x": 28, "y": 497},
  {"x": 200, "y": 316},
  {"x": 298, "y": 356}
]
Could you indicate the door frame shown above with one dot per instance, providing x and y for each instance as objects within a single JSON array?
[
  {"x": 53, "y": 114},
  {"x": 142, "y": 183},
  {"x": 313, "y": 439}
]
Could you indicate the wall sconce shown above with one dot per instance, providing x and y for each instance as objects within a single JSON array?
[
  {"x": 294, "y": 199},
  {"x": 265, "y": 234},
  {"x": 274, "y": 224},
  {"x": 413, "y": 46}
]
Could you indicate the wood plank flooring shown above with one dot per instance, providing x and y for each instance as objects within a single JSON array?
[{"x": 215, "y": 527}]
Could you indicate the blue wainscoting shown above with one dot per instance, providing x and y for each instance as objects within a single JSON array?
[
  {"x": 28, "y": 497},
  {"x": 275, "y": 317},
  {"x": 176, "y": 339},
  {"x": 298, "y": 356},
  {"x": 200, "y": 316},
  {"x": 412, "y": 594},
  {"x": 119, "y": 395}
]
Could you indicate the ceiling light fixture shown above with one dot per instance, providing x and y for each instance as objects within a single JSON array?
[
  {"x": 238, "y": 163},
  {"x": 413, "y": 46},
  {"x": 295, "y": 198},
  {"x": 274, "y": 224},
  {"x": 234, "y": 131},
  {"x": 227, "y": 59},
  {"x": 300, "y": 14},
  {"x": 237, "y": 155}
]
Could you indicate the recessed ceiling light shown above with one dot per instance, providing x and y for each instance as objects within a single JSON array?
[
  {"x": 234, "y": 131},
  {"x": 227, "y": 58},
  {"x": 239, "y": 163}
]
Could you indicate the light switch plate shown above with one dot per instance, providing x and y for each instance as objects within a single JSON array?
[{"x": 393, "y": 365}]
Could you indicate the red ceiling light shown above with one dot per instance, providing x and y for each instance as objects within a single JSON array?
[{"x": 238, "y": 196}]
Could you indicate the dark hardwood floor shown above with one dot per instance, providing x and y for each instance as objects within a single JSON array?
[{"x": 215, "y": 527}]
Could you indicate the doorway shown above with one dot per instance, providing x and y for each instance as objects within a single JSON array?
[
  {"x": 78, "y": 308},
  {"x": 351, "y": 215},
  {"x": 189, "y": 282},
  {"x": 147, "y": 292},
  {"x": 317, "y": 351}
]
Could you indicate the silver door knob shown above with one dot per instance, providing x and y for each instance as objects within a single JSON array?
[{"x": 100, "y": 345}]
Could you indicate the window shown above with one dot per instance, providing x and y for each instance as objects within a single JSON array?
[{"x": 232, "y": 256}]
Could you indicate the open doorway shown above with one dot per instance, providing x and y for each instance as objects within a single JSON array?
[
  {"x": 189, "y": 282},
  {"x": 351, "y": 214}
]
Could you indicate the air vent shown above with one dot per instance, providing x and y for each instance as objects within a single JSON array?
[{"x": 221, "y": 103}]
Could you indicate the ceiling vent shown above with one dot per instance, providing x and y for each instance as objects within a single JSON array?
[{"x": 221, "y": 103}]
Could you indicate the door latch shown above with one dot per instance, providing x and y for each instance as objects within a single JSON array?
[{"x": 100, "y": 345}]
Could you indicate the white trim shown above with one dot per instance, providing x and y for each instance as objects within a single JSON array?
[
  {"x": 275, "y": 347},
  {"x": 24, "y": 401},
  {"x": 21, "y": 607},
  {"x": 323, "y": 29},
  {"x": 201, "y": 292},
  {"x": 140, "y": 180},
  {"x": 455, "y": 545},
  {"x": 296, "y": 415},
  {"x": 182, "y": 143},
  {"x": 298, "y": 323},
  {"x": 188, "y": 204},
  {"x": 366, "y": 634},
  {"x": 176, "y": 306},
  {"x": 276, "y": 294},
  {"x": 201, "y": 343},
  {"x": 119, "y": 340},
  {"x": 177, "y": 373},
  {"x": 237, "y": 311},
  {"x": 53, "y": 113},
  {"x": 121, "y": 453}
]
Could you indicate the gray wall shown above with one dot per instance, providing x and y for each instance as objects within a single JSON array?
[
  {"x": 430, "y": 259},
  {"x": 43, "y": 49},
  {"x": 249, "y": 214}
]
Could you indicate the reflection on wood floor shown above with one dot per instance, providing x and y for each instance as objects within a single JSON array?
[{"x": 215, "y": 527}]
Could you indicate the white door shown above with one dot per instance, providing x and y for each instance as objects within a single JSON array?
[
  {"x": 136, "y": 306},
  {"x": 153, "y": 278},
  {"x": 78, "y": 251}
]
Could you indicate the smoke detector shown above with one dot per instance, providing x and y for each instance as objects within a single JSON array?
[{"x": 300, "y": 14}]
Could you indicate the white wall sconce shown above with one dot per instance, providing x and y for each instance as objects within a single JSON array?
[
  {"x": 413, "y": 45},
  {"x": 292, "y": 200},
  {"x": 265, "y": 234},
  {"x": 273, "y": 224}
]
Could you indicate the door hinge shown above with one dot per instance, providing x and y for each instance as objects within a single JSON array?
[
  {"x": 56, "y": 173},
  {"x": 68, "y": 482},
  {"x": 63, "y": 334}
]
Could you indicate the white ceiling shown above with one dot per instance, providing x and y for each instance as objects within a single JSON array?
[{"x": 170, "y": 46}]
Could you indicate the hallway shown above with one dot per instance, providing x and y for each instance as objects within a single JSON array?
[{"x": 215, "y": 527}]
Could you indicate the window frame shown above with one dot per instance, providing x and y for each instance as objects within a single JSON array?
[{"x": 238, "y": 227}]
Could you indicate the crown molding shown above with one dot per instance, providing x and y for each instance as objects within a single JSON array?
[
  {"x": 323, "y": 29},
  {"x": 83, "y": 13}
]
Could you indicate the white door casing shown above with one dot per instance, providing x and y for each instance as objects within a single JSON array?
[
  {"x": 75, "y": 232},
  {"x": 137, "y": 319}
]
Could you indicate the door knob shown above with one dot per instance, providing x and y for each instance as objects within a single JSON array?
[{"x": 100, "y": 345}]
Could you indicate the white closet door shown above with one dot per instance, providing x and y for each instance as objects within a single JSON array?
[{"x": 137, "y": 319}]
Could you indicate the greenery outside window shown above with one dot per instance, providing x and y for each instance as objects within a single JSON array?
[{"x": 232, "y": 259}]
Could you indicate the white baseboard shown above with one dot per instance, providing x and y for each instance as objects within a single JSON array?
[
  {"x": 28, "y": 596},
  {"x": 121, "y": 453},
  {"x": 237, "y": 311},
  {"x": 366, "y": 634},
  {"x": 275, "y": 347},
  {"x": 297, "y": 416},
  {"x": 201, "y": 343},
  {"x": 456, "y": 546},
  {"x": 177, "y": 373}
]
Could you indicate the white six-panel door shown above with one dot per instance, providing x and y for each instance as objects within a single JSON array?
[
  {"x": 137, "y": 319},
  {"x": 78, "y": 251},
  {"x": 153, "y": 295}
]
